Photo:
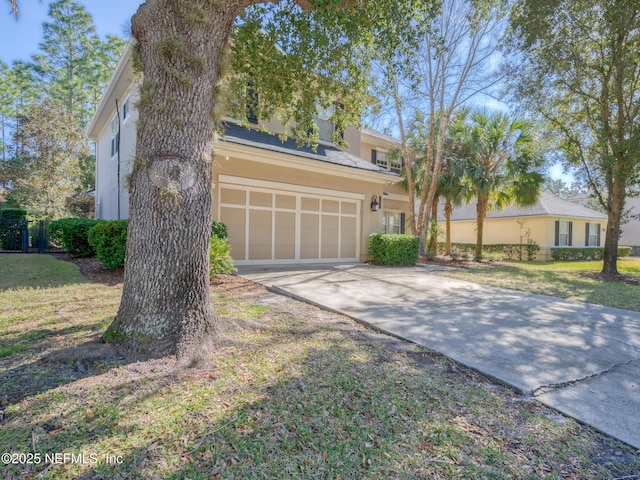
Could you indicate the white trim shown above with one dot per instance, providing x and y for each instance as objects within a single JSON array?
[{"x": 252, "y": 182}]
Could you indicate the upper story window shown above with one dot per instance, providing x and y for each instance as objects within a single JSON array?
[
  {"x": 115, "y": 136},
  {"x": 564, "y": 231},
  {"x": 324, "y": 120},
  {"x": 592, "y": 235},
  {"x": 383, "y": 159}
]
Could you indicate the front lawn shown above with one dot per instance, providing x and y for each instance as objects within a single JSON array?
[
  {"x": 297, "y": 392},
  {"x": 569, "y": 280}
]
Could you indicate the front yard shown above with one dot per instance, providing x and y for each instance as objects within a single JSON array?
[
  {"x": 572, "y": 280},
  {"x": 297, "y": 392}
]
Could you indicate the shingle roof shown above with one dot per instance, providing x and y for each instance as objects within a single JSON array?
[
  {"x": 254, "y": 138},
  {"x": 548, "y": 204}
]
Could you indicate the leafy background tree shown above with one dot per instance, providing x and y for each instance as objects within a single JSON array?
[
  {"x": 575, "y": 66},
  {"x": 46, "y": 171},
  {"x": 72, "y": 70}
]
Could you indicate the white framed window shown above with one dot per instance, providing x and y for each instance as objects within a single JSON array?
[
  {"x": 324, "y": 120},
  {"x": 563, "y": 233},
  {"x": 383, "y": 159},
  {"x": 115, "y": 136},
  {"x": 592, "y": 235},
  {"x": 392, "y": 222}
]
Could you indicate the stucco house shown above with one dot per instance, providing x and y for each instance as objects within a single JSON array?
[
  {"x": 551, "y": 222},
  {"x": 281, "y": 203},
  {"x": 631, "y": 230}
]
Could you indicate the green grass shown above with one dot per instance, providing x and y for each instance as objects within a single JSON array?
[
  {"x": 36, "y": 271},
  {"x": 311, "y": 395},
  {"x": 559, "y": 279}
]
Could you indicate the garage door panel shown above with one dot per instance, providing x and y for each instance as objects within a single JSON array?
[
  {"x": 260, "y": 234},
  {"x": 330, "y": 236},
  {"x": 235, "y": 220},
  {"x": 285, "y": 235},
  {"x": 309, "y": 235},
  {"x": 348, "y": 237}
]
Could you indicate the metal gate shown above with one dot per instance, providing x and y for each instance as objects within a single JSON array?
[{"x": 26, "y": 236}]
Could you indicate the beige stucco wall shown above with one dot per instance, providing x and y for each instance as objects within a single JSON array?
[
  {"x": 631, "y": 229},
  {"x": 540, "y": 229}
]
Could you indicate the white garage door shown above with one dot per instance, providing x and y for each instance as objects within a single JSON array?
[{"x": 272, "y": 222}]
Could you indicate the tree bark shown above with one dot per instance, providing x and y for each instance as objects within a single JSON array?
[
  {"x": 616, "y": 200},
  {"x": 448, "y": 208},
  {"x": 481, "y": 213},
  {"x": 166, "y": 307},
  {"x": 433, "y": 239}
]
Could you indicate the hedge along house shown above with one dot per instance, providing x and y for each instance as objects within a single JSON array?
[
  {"x": 551, "y": 223},
  {"x": 281, "y": 203}
]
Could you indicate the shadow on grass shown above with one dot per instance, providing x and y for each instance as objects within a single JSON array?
[{"x": 305, "y": 402}]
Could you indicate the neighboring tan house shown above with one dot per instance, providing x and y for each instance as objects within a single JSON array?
[
  {"x": 631, "y": 230},
  {"x": 552, "y": 222},
  {"x": 281, "y": 203},
  {"x": 630, "y": 235}
]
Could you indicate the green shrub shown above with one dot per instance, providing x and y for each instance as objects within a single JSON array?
[
  {"x": 11, "y": 228},
  {"x": 532, "y": 248},
  {"x": 220, "y": 257},
  {"x": 507, "y": 250},
  {"x": 72, "y": 234},
  {"x": 624, "y": 251},
  {"x": 109, "y": 238},
  {"x": 585, "y": 253},
  {"x": 386, "y": 249},
  {"x": 219, "y": 230}
]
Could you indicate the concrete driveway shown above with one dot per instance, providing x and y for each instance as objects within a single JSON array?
[{"x": 579, "y": 358}]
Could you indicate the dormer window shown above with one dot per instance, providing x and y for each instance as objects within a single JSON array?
[{"x": 382, "y": 159}]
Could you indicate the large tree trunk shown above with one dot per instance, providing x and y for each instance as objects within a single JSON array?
[
  {"x": 481, "y": 213},
  {"x": 166, "y": 307},
  {"x": 616, "y": 202}
]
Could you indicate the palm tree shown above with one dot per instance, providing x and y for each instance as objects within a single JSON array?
[{"x": 501, "y": 165}]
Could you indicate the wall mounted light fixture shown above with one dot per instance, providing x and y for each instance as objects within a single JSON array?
[{"x": 375, "y": 204}]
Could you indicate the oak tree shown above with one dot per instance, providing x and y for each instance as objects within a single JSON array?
[{"x": 576, "y": 64}]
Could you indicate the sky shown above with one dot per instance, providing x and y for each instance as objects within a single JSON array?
[{"x": 19, "y": 38}]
